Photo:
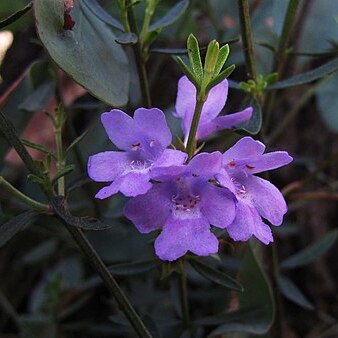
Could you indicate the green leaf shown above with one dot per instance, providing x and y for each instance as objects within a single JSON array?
[
  {"x": 220, "y": 77},
  {"x": 215, "y": 276},
  {"x": 171, "y": 16},
  {"x": 39, "y": 98},
  {"x": 37, "y": 146},
  {"x": 16, "y": 224},
  {"x": 307, "y": 77},
  {"x": 100, "y": 13},
  {"x": 88, "y": 52},
  {"x": 254, "y": 125},
  {"x": 187, "y": 71},
  {"x": 16, "y": 16},
  {"x": 127, "y": 39},
  {"x": 135, "y": 268},
  {"x": 222, "y": 57},
  {"x": 291, "y": 292},
  {"x": 312, "y": 252},
  {"x": 84, "y": 223},
  {"x": 77, "y": 140},
  {"x": 195, "y": 57},
  {"x": 256, "y": 312},
  {"x": 65, "y": 171}
]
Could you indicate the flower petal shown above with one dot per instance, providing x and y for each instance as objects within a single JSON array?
[
  {"x": 248, "y": 223},
  {"x": 181, "y": 235},
  {"x": 205, "y": 164},
  {"x": 150, "y": 211},
  {"x": 170, "y": 157},
  {"x": 108, "y": 191},
  {"x": 134, "y": 183},
  {"x": 223, "y": 122},
  {"x": 152, "y": 124},
  {"x": 218, "y": 205},
  {"x": 267, "y": 199},
  {"x": 120, "y": 128},
  {"x": 186, "y": 101},
  {"x": 106, "y": 166},
  {"x": 245, "y": 148},
  {"x": 268, "y": 161}
]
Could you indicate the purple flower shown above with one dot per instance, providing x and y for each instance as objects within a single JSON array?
[
  {"x": 144, "y": 140},
  {"x": 256, "y": 197},
  {"x": 184, "y": 205},
  {"x": 209, "y": 122}
]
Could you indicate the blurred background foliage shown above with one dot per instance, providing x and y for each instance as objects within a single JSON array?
[{"x": 47, "y": 289}]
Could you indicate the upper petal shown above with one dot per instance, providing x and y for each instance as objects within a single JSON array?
[
  {"x": 218, "y": 205},
  {"x": 268, "y": 161},
  {"x": 106, "y": 166},
  {"x": 121, "y": 129},
  {"x": 182, "y": 235},
  {"x": 134, "y": 183},
  {"x": 170, "y": 157},
  {"x": 245, "y": 148},
  {"x": 153, "y": 125},
  {"x": 150, "y": 211},
  {"x": 267, "y": 199},
  {"x": 205, "y": 164},
  {"x": 222, "y": 122}
]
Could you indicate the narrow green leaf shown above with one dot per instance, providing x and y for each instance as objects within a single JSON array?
[
  {"x": 102, "y": 14},
  {"x": 187, "y": 71},
  {"x": 88, "y": 52},
  {"x": 312, "y": 252},
  {"x": 220, "y": 77},
  {"x": 307, "y": 77},
  {"x": 127, "y": 39},
  {"x": 256, "y": 312},
  {"x": 84, "y": 223},
  {"x": 134, "y": 268},
  {"x": 195, "y": 57},
  {"x": 65, "y": 171},
  {"x": 171, "y": 16},
  {"x": 7, "y": 128},
  {"x": 16, "y": 224},
  {"x": 291, "y": 292},
  {"x": 222, "y": 57},
  {"x": 254, "y": 125},
  {"x": 16, "y": 16},
  {"x": 37, "y": 146},
  {"x": 77, "y": 140},
  {"x": 215, "y": 276}
]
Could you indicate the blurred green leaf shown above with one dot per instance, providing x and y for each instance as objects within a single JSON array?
[
  {"x": 312, "y": 252},
  {"x": 84, "y": 223},
  {"x": 15, "y": 16},
  {"x": 253, "y": 126},
  {"x": 307, "y": 77},
  {"x": 327, "y": 102},
  {"x": 39, "y": 147},
  {"x": 134, "y": 268},
  {"x": 256, "y": 312},
  {"x": 215, "y": 276},
  {"x": 102, "y": 14},
  {"x": 171, "y": 16},
  {"x": 39, "y": 98},
  {"x": 88, "y": 52},
  {"x": 40, "y": 252},
  {"x": 77, "y": 140},
  {"x": 16, "y": 224},
  {"x": 290, "y": 291}
]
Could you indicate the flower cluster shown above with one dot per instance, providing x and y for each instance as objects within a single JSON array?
[{"x": 181, "y": 199}]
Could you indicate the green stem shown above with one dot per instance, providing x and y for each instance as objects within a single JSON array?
[
  {"x": 109, "y": 281},
  {"x": 280, "y": 58},
  {"x": 244, "y": 18},
  {"x": 61, "y": 162},
  {"x": 184, "y": 295},
  {"x": 192, "y": 142},
  {"x": 140, "y": 58},
  {"x": 22, "y": 197}
]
